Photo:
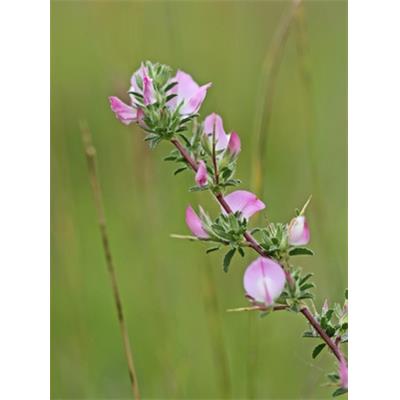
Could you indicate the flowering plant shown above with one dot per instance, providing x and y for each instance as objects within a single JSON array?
[{"x": 166, "y": 107}]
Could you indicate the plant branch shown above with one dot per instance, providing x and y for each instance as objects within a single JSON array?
[
  {"x": 256, "y": 246},
  {"x": 314, "y": 323},
  {"x": 90, "y": 153}
]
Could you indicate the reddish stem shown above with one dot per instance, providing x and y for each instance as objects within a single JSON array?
[
  {"x": 306, "y": 312},
  {"x": 256, "y": 246}
]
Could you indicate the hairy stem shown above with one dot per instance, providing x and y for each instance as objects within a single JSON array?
[
  {"x": 256, "y": 247},
  {"x": 314, "y": 323},
  {"x": 90, "y": 153}
]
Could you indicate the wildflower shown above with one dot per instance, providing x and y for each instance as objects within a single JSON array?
[
  {"x": 189, "y": 92},
  {"x": 264, "y": 280},
  {"x": 298, "y": 231},
  {"x": 201, "y": 174},
  {"x": 194, "y": 223},
  {"x": 245, "y": 202}
]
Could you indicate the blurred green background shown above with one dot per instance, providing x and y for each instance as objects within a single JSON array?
[{"x": 185, "y": 344}]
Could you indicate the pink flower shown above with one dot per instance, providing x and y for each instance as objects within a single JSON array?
[
  {"x": 264, "y": 280},
  {"x": 201, "y": 174},
  {"x": 298, "y": 231},
  {"x": 194, "y": 223},
  {"x": 213, "y": 124},
  {"x": 245, "y": 202},
  {"x": 189, "y": 92},
  {"x": 123, "y": 112},
  {"x": 234, "y": 144},
  {"x": 147, "y": 90},
  {"x": 343, "y": 373}
]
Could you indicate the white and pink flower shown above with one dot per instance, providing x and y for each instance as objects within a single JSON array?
[{"x": 264, "y": 280}]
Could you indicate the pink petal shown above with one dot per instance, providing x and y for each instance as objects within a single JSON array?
[
  {"x": 245, "y": 202},
  {"x": 188, "y": 91},
  {"x": 201, "y": 174},
  {"x": 147, "y": 82},
  {"x": 234, "y": 144},
  {"x": 213, "y": 122},
  {"x": 298, "y": 231},
  {"x": 148, "y": 89},
  {"x": 194, "y": 103},
  {"x": 186, "y": 87},
  {"x": 194, "y": 223},
  {"x": 123, "y": 112},
  {"x": 264, "y": 280}
]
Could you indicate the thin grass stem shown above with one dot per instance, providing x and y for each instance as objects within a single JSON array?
[
  {"x": 266, "y": 92},
  {"x": 90, "y": 153}
]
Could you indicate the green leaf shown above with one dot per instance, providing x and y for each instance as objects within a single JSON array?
[
  {"x": 339, "y": 391},
  {"x": 198, "y": 188},
  {"x": 329, "y": 314},
  {"x": 211, "y": 249},
  {"x": 241, "y": 252},
  {"x": 333, "y": 377},
  {"x": 346, "y": 294},
  {"x": 307, "y": 286},
  {"x": 170, "y": 97},
  {"x": 300, "y": 251},
  {"x": 306, "y": 296},
  {"x": 179, "y": 170},
  {"x": 169, "y": 158},
  {"x": 330, "y": 330},
  {"x": 170, "y": 86},
  {"x": 306, "y": 278},
  {"x": 136, "y": 94},
  {"x": 228, "y": 259},
  {"x": 318, "y": 350}
]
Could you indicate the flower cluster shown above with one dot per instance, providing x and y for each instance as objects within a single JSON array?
[
  {"x": 167, "y": 107},
  {"x": 161, "y": 104}
]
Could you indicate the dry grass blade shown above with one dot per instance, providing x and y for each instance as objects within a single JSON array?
[{"x": 90, "y": 153}]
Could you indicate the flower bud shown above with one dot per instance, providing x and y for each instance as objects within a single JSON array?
[
  {"x": 264, "y": 280},
  {"x": 234, "y": 144},
  {"x": 201, "y": 174},
  {"x": 194, "y": 223},
  {"x": 298, "y": 231}
]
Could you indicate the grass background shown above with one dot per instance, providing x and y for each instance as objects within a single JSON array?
[{"x": 181, "y": 335}]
